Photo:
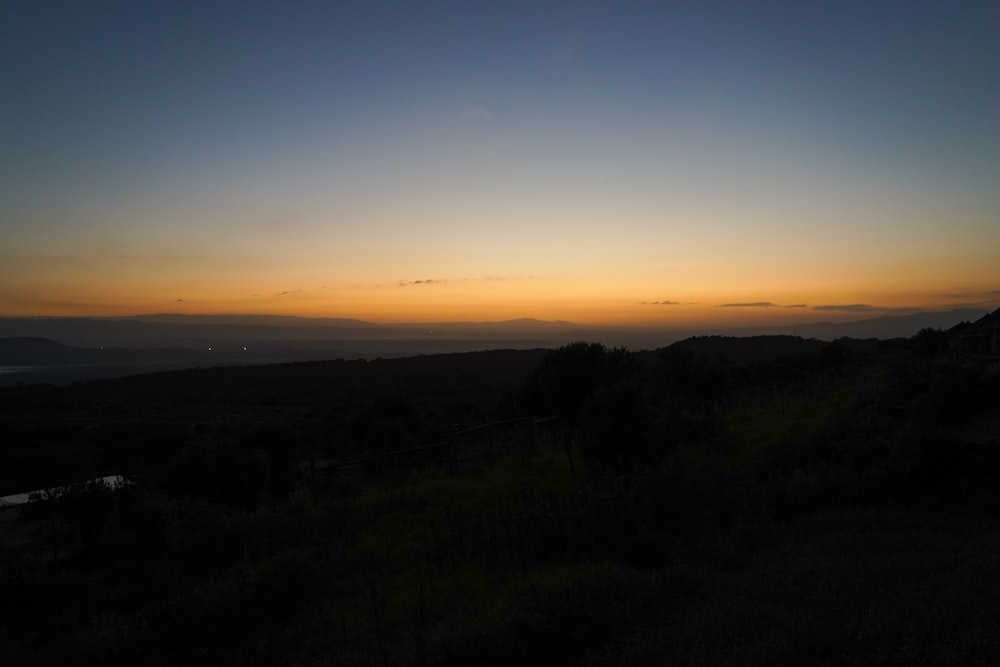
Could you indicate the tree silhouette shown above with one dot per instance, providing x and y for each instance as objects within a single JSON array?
[
  {"x": 929, "y": 343},
  {"x": 616, "y": 427},
  {"x": 568, "y": 378}
]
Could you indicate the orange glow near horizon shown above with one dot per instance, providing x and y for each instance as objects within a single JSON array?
[
  {"x": 495, "y": 299},
  {"x": 592, "y": 279},
  {"x": 607, "y": 166}
]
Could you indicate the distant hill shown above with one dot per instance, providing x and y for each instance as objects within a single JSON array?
[
  {"x": 747, "y": 350},
  {"x": 42, "y": 352},
  {"x": 888, "y": 326},
  {"x": 196, "y": 331},
  {"x": 252, "y": 320},
  {"x": 343, "y": 337},
  {"x": 30, "y": 351},
  {"x": 340, "y": 322}
]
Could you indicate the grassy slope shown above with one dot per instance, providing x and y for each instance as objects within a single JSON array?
[{"x": 773, "y": 546}]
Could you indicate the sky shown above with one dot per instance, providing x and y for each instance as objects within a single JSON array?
[{"x": 633, "y": 163}]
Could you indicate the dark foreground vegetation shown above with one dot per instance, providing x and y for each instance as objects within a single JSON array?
[{"x": 720, "y": 501}]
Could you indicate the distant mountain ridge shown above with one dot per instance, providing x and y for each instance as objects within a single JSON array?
[
  {"x": 67, "y": 349},
  {"x": 250, "y": 320},
  {"x": 749, "y": 349},
  {"x": 336, "y": 322},
  {"x": 887, "y": 326},
  {"x": 173, "y": 330},
  {"x": 38, "y": 351}
]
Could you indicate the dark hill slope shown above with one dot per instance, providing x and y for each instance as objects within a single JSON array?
[
  {"x": 467, "y": 374},
  {"x": 753, "y": 349},
  {"x": 25, "y": 351}
]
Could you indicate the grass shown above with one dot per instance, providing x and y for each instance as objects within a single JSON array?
[
  {"x": 862, "y": 588},
  {"x": 409, "y": 549},
  {"x": 787, "y": 417},
  {"x": 528, "y": 561}
]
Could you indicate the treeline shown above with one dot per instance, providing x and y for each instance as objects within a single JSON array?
[
  {"x": 53, "y": 435},
  {"x": 850, "y": 422}
]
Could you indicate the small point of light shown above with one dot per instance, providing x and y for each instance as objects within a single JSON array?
[{"x": 209, "y": 349}]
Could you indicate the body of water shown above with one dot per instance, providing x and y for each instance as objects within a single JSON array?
[{"x": 21, "y": 498}]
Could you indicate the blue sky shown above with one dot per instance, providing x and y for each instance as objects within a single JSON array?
[{"x": 400, "y": 161}]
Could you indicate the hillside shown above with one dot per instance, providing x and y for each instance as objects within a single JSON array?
[
  {"x": 718, "y": 501},
  {"x": 16, "y": 351}
]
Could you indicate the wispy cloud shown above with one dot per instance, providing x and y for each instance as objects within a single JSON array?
[
  {"x": 665, "y": 302},
  {"x": 866, "y": 308},
  {"x": 761, "y": 304},
  {"x": 979, "y": 300},
  {"x": 753, "y": 304},
  {"x": 991, "y": 294},
  {"x": 457, "y": 281},
  {"x": 986, "y": 304},
  {"x": 850, "y": 308},
  {"x": 427, "y": 281},
  {"x": 290, "y": 291}
]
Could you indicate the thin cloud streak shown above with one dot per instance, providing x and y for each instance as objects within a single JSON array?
[
  {"x": 991, "y": 294},
  {"x": 452, "y": 281},
  {"x": 761, "y": 304},
  {"x": 850, "y": 308},
  {"x": 866, "y": 308},
  {"x": 428, "y": 281},
  {"x": 754, "y": 304}
]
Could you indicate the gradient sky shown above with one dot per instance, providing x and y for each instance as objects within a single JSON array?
[{"x": 602, "y": 162}]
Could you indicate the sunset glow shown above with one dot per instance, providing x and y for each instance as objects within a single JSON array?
[{"x": 405, "y": 163}]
